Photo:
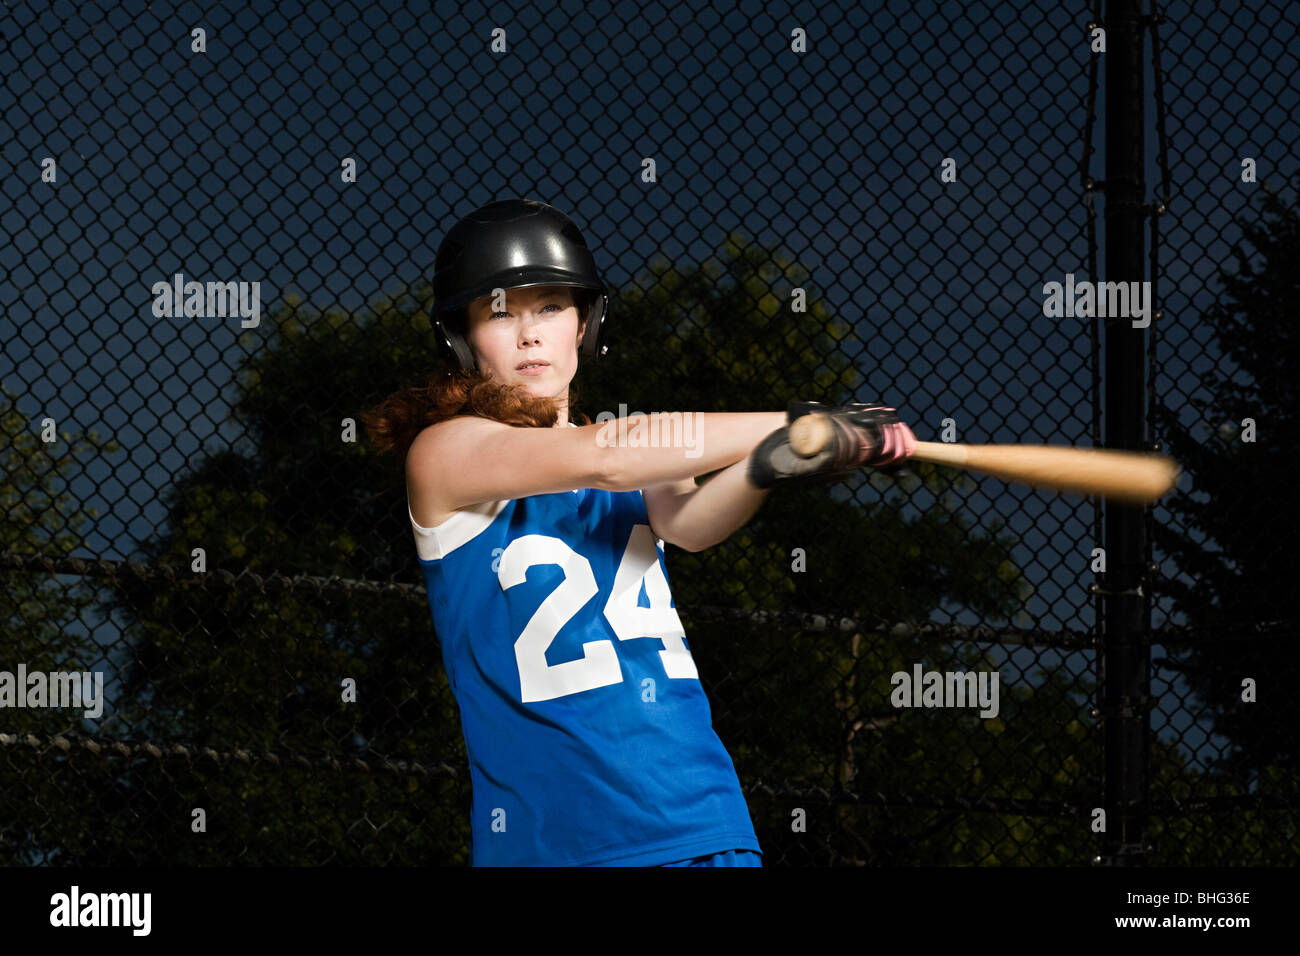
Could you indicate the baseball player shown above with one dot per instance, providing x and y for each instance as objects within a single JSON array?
[{"x": 589, "y": 736}]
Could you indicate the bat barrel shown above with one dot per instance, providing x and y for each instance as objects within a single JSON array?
[{"x": 1129, "y": 476}]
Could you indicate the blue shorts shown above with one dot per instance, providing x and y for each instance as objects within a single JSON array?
[{"x": 727, "y": 858}]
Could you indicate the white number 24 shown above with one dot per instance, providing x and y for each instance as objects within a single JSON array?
[{"x": 598, "y": 666}]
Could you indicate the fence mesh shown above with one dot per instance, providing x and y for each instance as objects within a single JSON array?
[{"x": 863, "y": 204}]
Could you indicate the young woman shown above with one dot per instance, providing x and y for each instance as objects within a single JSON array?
[{"x": 589, "y": 736}]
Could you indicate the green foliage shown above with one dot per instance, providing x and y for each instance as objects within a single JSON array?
[
  {"x": 37, "y": 608},
  {"x": 39, "y": 611}
]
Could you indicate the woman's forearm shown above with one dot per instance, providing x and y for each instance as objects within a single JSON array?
[
  {"x": 720, "y": 506},
  {"x": 669, "y": 446}
]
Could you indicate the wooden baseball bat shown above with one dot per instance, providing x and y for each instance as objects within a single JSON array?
[{"x": 1129, "y": 476}]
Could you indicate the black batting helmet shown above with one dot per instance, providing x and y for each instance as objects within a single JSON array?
[{"x": 511, "y": 244}]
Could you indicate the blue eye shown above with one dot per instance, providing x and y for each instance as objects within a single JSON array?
[{"x": 552, "y": 305}]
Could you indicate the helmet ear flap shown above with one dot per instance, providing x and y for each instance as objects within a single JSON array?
[
  {"x": 582, "y": 298},
  {"x": 454, "y": 326},
  {"x": 585, "y": 300}
]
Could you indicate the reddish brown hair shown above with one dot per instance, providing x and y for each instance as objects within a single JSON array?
[{"x": 393, "y": 424}]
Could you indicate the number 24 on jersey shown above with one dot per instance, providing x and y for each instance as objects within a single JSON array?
[{"x": 599, "y": 665}]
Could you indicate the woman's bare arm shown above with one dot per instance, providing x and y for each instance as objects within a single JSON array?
[
  {"x": 469, "y": 459},
  {"x": 696, "y": 518},
  {"x": 721, "y": 439}
]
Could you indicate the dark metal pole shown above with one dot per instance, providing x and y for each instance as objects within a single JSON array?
[{"x": 1125, "y": 662}]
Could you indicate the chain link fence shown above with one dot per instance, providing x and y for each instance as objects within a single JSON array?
[{"x": 869, "y": 204}]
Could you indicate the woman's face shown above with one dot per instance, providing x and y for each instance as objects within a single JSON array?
[{"x": 538, "y": 324}]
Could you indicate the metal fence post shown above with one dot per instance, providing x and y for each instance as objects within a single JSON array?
[{"x": 1125, "y": 661}]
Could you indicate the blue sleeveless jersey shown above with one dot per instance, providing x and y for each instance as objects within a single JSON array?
[{"x": 589, "y": 737}]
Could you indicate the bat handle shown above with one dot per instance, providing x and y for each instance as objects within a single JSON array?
[{"x": 809, "y": 434}]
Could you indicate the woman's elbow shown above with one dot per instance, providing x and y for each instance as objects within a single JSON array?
[{"x": 695, "y": 547}]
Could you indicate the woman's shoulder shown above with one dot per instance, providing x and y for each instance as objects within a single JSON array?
[
  {"x": 448, "y": 428},
  {"x": 426, "y": 507},
  {"x": 455, "y": 427}
]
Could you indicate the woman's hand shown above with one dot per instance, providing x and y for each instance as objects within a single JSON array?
[{"x": 870, "y": 434}]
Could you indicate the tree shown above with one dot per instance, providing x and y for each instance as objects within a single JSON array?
[
  {"x": 38, "y": 614},
  {"x": 1246, "y": 466}
]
